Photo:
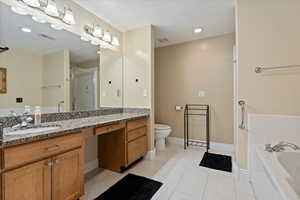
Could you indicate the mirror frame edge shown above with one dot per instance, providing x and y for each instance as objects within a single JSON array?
[{"x": 3, "y": 71}]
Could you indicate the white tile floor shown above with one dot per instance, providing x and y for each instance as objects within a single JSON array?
[{"x": 181, "y": 176}]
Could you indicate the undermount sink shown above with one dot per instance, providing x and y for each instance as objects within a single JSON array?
[{"x": 31, "y": 130}]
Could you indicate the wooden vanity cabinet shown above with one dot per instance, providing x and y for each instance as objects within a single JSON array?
[
  {"x": 136, "y": 133},
  {"x": 67, "y": 176},
  {"x": 31, "y": 182},
  {"x": 58, "y": 176},
  {"x": 52, "y": 169},
  {"x": 120, "y": 144}
]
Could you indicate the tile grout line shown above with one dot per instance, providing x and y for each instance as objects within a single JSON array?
[
  {"x": 181, "y": 177},
  {"x": 205, "y": 187},
  {"x": 235, "y": 188}
]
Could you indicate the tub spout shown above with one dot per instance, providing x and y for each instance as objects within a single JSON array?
[{"x": 281, "y": 147}]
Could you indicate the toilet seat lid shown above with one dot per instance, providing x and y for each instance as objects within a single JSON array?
[{"x": 162, "y": 127}]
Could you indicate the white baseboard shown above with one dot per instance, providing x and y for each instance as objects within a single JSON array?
[
  {"x": 235, "y": 169},
  {"x": 214, "y": 145},
  {"x": 150, "y": 154},
  {"x": 239, "y": 173},
  {"x": 244, "y": 173},
  {"x": 91, "y": 166}
]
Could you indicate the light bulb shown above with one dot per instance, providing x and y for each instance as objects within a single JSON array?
[
  {"x": 95, "y": 42},
  {"x": 69, "y": 17},
  {"x": 19, "y": 11},
  {"x": 38, "y": 19},
  {"x": 56, "y": 27},
  {"x": 98, "y": 31},
  {"x": 84, "y": 38},
  {"x": 33, "y": 3},
  {"x": 107, "y": 36},
  {"x": 51, "y": 8},
  {"x": 115, "y": 41}
]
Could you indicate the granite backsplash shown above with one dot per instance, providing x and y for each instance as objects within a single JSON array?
[{"x": 52, "y": 117}]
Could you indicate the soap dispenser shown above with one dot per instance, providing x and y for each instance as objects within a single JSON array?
[{"x": 37, "y": 116}]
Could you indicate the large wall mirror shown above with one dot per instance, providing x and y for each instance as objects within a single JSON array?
[{"x": 55, "y": 69}]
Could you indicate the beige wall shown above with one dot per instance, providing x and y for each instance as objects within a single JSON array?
[
  {"x": 267, "y": 34},
  {"x": 24, "y": 78},
  {"x": 137, "y": 65},
  {"x": 138, "y": 54},
  {"x": 55, "y": 72},
  {"x": 183, "y": 69}
]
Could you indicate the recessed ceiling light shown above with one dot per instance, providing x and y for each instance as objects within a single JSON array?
[
  {"x": 26, "y": 30},
  {"x": 198, "y": 30}
]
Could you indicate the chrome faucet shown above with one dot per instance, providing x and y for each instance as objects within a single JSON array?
[
  {"x": 25, "y": 121},
  {"x": 281, "y": 147}
]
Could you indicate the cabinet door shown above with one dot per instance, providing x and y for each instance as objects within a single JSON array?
[
  {"x": 136, "y": 149},
  {"x": 67, "y": 176},
  {"x": 31, "y": 182}
]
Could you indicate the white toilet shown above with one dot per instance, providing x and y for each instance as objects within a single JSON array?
[{"x": 162, "y": 131}]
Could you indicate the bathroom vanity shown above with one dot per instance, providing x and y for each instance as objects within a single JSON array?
[
  {"x": 50, "y": 166},
  {"x": 78, "y": 87}
]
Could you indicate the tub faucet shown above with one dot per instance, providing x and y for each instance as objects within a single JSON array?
[{"x": 281, "y": 147}]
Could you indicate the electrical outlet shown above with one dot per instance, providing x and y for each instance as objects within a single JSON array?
[{"x": 201, "y": 93}]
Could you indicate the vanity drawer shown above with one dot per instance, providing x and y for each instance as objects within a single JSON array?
[
  {"x": 21, "y": 154},
  {"x": 109, "y": 128},
  {"x": 136, "y": 133},
  {"x": 136, "y": 149},
  {"x": 134, "y": 124}
]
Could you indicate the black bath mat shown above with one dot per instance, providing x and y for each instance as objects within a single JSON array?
[
  {"x": 131, "y": 187},
  {"x": 216, "y": 161}
]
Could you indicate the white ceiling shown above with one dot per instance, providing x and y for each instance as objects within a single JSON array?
[
  {"x": 173, "y": 19},
  {"x": 13, "y": 37}
]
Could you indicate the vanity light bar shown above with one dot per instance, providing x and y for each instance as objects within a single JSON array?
[
  {"x": 49, "y": 8},
  {"x": 98, "y": 34}
]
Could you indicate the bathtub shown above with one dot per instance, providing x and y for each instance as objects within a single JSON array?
[
  {"x": 276, "y": 175},
  {"x": 290, "y": 162}
]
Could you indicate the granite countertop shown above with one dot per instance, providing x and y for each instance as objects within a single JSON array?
[{"x": 67, "y": 127}]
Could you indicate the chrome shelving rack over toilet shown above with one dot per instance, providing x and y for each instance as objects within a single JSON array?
[{"x": 196, "y": 110}]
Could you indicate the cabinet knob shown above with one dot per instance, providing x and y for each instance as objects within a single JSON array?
[
  {"x": 49, "y": 164},
  {"x": 56, "y": 161}
]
